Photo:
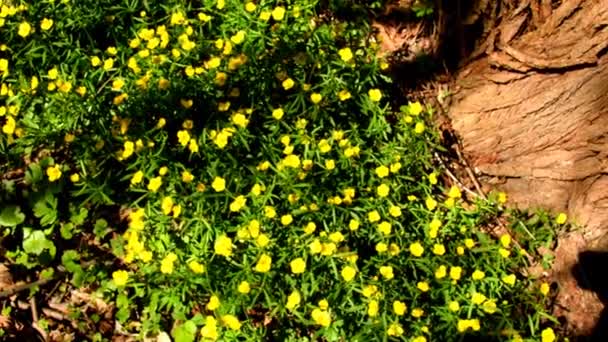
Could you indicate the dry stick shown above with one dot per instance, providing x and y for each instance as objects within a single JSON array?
[
  {"x": 453, "y": 177},
  {"x": 470, "y": 173},
  {"x": 18, "y": 288}
]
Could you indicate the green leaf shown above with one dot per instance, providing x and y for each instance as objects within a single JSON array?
[
  {"x": 66, "y": 230},
  {"x": 185, "y": 332},
  {"x": 46, "y": 209},
  {"x": 35, "y": 242},
  {"x": 70, "y": 259},
  {"x": 101, "y": 228},
  {"x": 11, "y": 216},
  {"x": 79, "y": 217}
]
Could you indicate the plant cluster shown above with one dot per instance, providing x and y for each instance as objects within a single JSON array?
[{"x": 236, "y": 172}]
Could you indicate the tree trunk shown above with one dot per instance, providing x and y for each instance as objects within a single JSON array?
[{"x": 532, "y": 112}]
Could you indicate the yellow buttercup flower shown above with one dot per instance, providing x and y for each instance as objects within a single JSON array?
[
  {"x": 383, "y": 190},
  {"x": 561, "y": 218},
  {"x": 120, "y": 278},
  {"x": 375, "y": 95},
  {"x": 53, "y": 173},
  {"x": 196, "y": 267},
  {"x": 155, "y": 183},
  {"x": 218, "y": 184},
  {"x": 547, "y": 335},
  {"x": 321, "y": 317},
  {"x": 298, "y": 265},
  {"x": 286, "y": 219},
  {"x": 288, "y": 83},
  {"x": 387, "y": 272},
  {"x": 345, "y": 54},
  {"x": 244, "y": 287},
  {"x": 264, "y": 263},
  {"x": 223, "y": 246},
  {"x": 46, "y": 24},
  {"x": 293, "y": 300},
  {"x": 399, "y": 308},
  {"x": 213, "y": 304},
  {"x": 348, "y": 273},
  {"x": 24, "y": 29},
  {"x": 316, "y": 98},
  {"x": 278, "y": 13},
  {"x": 416, "y": 249}
]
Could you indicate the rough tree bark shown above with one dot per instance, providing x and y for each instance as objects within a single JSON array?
[{"x": 532, "y": 110}]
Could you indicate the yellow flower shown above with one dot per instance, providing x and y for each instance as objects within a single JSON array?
[
  {"x": 265, "y": 15},
  {"x": 469, "y": 243},
  {"x": 278, "y": 13},
  {"x": 244, "y": 287},
  {"x": 316, "y": 98},
  {"x": 382, "y": 171},
  {"x": 373, "y": 216},
  {"x": 399, "y": 308},
  {"x": 417, "y": 312},
  {"x": 250, "y": 7},
  {"x": 345, "y": 54},
  {"x": 395, "y": 329},
  {"x": 209, "y": 330},
  {"x": 288, "y": 84},
  {"x": 310, "y": 228},
  {"x": 489, "y": 306},
  {"x": 278, "y": 113},
  {"x": 238, "y": 203},
  {"x": 453, "y": 306},
  {"x": 419, "y": 128},
  {"x": 269, "y": 212},
  {"x": 505, "y": 240},
  {"x": 431, "y": 203},
  {"x": 262, "y": 240},
  {"x": 416, "y": 249},
  {"x": 387, "y": 272},
  {"x": 264, "y": 263},
  {"x": 187, "y": 177},
  {"x": 384, "y": 228},
  {"x": 231, "y": 322},
  {"x": 46, "y": 24},
  {"x": 344, "y": 95},
  {"x": 547, "y": 335},
  {"x": 53, "y": 173},
  {"x": 24, "y": 29},
  {"x": 330, "y": 164},
  {"x": 348, "y": 273},
  {"x": 166, "y": 265},
  {"x": 120, "y": 278},
  {"x": 183, "y": 137},
  {"x": 434, "y": 228},
  {"x": 74, "y": 177},
  {"x": 454, "y": 192},
  {"x": 196, "y": 267},
  {"x": 223, "y": 246},
  {"x": 220, "y": 4},
  {"x": 353, "y": 224},
  {"x": 423, "y": 286},
  {"x": 440, "y": 272},
  {"x": 372, "y": 308},
  {"x": 214, "y": 303},
  {"x": 478, "y": 298},
  {"x": 155, "y": 183},
  {"x": 218, "y": 184},
  {"x": 292, "y": 161},
  {"x": 108, "y": 64},
  {"x": 455, "y": 272},
  {"x": 321, "y": 317},
  {"x": 375, "y": 94},
  {"x": 544, "y": 289},
  {"x": 465, "y": 324},
  {"x": 438, "y": 249},
  {"x": 478, "y": 275},
  {"x": 561, "y": 218},
  {"x": 509, "y": 279},
  {"x": 504, "y": 252},
  {"x": 293, "y": 300},
  {"x": 383, "y": 190},
  {"x": 298, "y": 265},
  {"x": 9, "y": 126},
  {"x": 167, "y": 205},
  {"x": 286, "y": 219}
]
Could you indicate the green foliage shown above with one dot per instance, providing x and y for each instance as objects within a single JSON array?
[{"x": 241, "y": 169}]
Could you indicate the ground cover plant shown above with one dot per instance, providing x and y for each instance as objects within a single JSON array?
[{"x": 228, "y": 170}]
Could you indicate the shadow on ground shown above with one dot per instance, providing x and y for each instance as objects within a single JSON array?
[{"x": 591, "y": 273}]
